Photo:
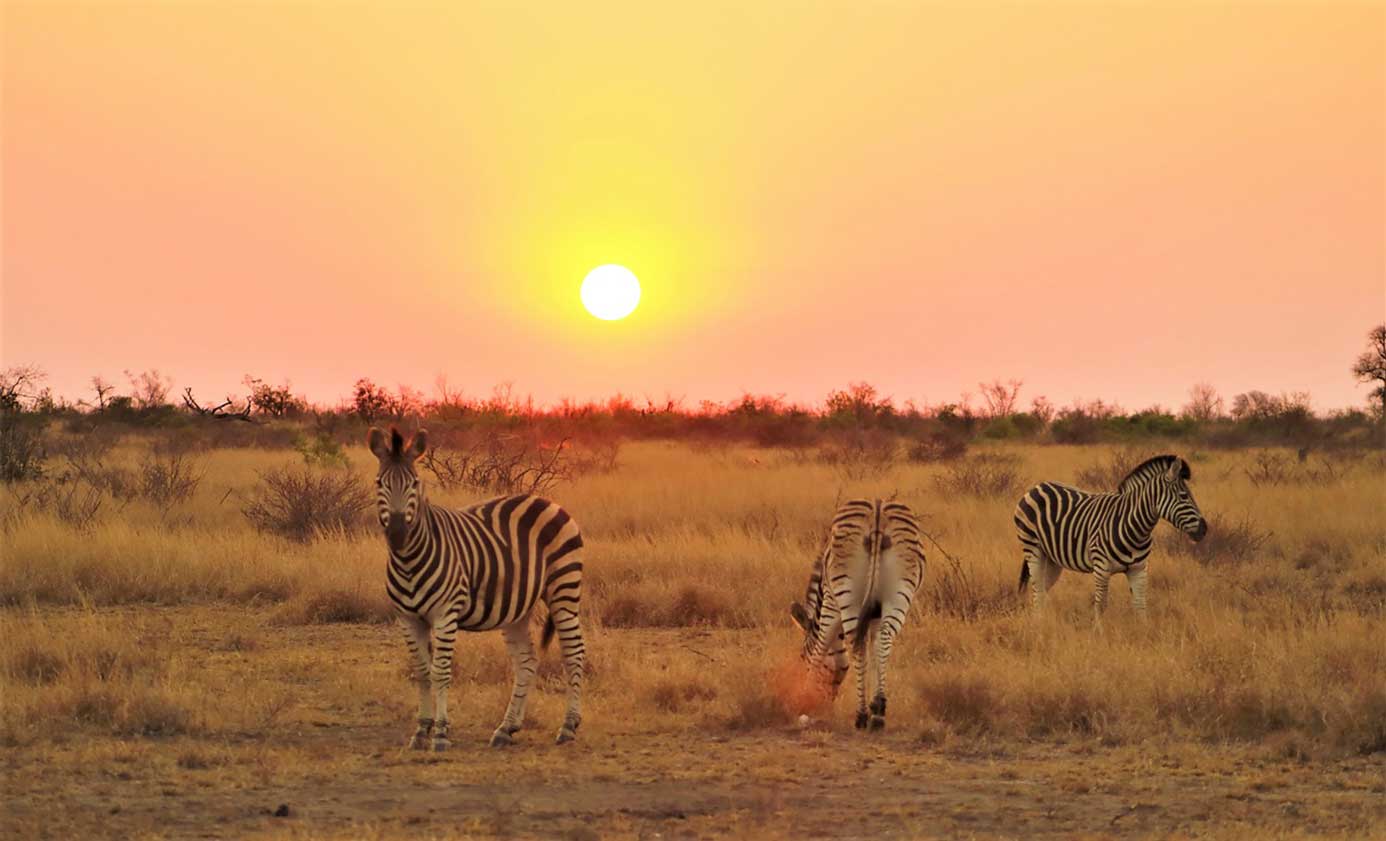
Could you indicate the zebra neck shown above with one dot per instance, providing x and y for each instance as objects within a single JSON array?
[{"x": 1141, "y": 509}]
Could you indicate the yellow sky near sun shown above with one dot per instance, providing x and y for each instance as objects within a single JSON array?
[{"x": 917, "y": 195}]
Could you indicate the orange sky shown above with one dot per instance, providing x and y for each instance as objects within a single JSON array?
[{"x": 1103, "y": 201}]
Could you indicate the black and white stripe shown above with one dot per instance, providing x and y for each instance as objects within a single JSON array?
[
  {"x": 480, "y": 568},
  {"x": 862, "y": 585},
  {"x": 1061, "y": 527}
]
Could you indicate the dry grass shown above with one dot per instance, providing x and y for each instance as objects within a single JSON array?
[{"x": 1266, "y": 635}]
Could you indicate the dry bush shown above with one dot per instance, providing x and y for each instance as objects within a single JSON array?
[
  {"x": 1269, "y": 469},
  {"x": 688, "y": 604},
  {"x": 981, "y": 475},
  {"x": 496, "y": 461},
  {"x": 322, "y": 607},
  {"x": 594, "y": 458},
  {"x": 169, "y": 478},
  {"x": 1228, "y": 540},
  {"x": 943, "y": 445},
  {"x": 952, "y": 589},
  {"x": 1105, "y": 475},
  {"x": 860, "y": 453},
  {"x": 22, "y": 448},
  {"x": 301, "y": 504},
  {"x": 73, "y": 503}
]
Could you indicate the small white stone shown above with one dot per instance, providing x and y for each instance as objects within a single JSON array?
[{"x": 803, "y": 721}]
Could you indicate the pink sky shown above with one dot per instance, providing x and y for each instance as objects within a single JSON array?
[{"x": 1103, "y": 202}]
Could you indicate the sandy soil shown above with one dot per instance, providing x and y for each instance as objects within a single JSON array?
[{"x": 335, "y": 769}]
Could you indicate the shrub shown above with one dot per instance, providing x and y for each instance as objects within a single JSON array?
[
  {"x": 321, "y": 450},
  {"x": 1105, "y": 475},
  {"x": 984, "y": 475},
  {"x": 498, "y": 461},
  {"x": 300, "y": 504},
  {"x": 168, "y": 479},
  {"x": 22, "y": 452},
  {"x": 859, "y": 453},
  {"x": 1227, "y": 540},
  {"x": 953, "y": 590},
  {"x": 942, "y": 445}
]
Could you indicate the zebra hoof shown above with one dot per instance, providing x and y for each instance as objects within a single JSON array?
[
  {"x": 565, "y": 736},
  {"x": 417, "y": 742},
  {"x": 877, "y": 723},
  {"x": 862, "y": 720},
  {"x": 440, "y": 744},
  {"x": 501, "y": 739}
]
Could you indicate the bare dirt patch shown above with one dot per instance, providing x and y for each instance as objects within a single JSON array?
[{"x": 297, "y": 731}]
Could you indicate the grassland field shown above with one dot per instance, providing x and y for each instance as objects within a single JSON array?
[{"x": 170, "y": 672}]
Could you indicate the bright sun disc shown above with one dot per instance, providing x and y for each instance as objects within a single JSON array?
[{"x": 610, "y": 292}]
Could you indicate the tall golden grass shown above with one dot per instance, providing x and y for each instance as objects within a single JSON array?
[{"x": 693, "y": 556}]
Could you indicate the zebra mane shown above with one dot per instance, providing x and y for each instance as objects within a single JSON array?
[{"x": 1152, "y": 467}]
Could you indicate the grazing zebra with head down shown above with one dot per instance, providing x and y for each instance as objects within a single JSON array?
[
  {"x": 864, "y": 581},
  {"x": 480, "y": 568},
  {"x": 1061, "y": 527}
]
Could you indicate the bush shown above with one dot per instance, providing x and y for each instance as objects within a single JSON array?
[
  {"x": 497, "y": 461},
  {"x": 301, "y": 504},
  {"x": 859, "y": 453},
  {"x": 22, "y": 452},
  {"x": 1227, "y": 540},
  {"x": 321, "y": 450},
  {"x": 168, "y": 479},
  {"x": 984, "y": 475},
  {"x": 1105, "y": 475},
  {"x": 943, "y": 445}
]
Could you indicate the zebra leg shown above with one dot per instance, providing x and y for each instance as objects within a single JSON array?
[
  {"x": 885, "y": 639},
  {"x": 1102, "y": 577},
  {"x": 440, "y": 678},
  {"x": 856, "y": 650},
  {"x": 521, "y": 648},
  {"x": 420, "y": 652},
  {"x": 570, "y": 641},
  {"x": 1135, "y": 578},
  {"x": 1036, "y": 564}
]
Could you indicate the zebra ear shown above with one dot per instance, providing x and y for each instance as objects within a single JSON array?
[
  {"x": 800, "y": 616},
  {"x": 375, "y": 439},
  {"x": 417, "y": 445},
  {"x": 1176, "y": 470}
]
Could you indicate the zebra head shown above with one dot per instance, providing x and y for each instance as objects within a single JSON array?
[
  {"x": 826, "y": 660},
  {"x": 398, "y": 489},
  {"x": 1175, "y": 502}
]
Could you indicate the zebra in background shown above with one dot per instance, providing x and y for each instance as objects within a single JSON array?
[
  {"x": 1061, "y": 527},
  {"x": 476, "y": 569},
  {"x": 862, "y": 583}
]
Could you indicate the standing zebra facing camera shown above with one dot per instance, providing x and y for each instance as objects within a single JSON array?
[
  {"x": 1061, "y": 527},
  {"x": 480, "y": 568},
  {"x": 863, "y": 582}
]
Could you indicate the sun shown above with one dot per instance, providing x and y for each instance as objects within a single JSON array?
[{"x": 610, "y": 292}]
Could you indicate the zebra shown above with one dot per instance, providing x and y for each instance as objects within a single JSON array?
[
  {"x": 1061, "y": 527},
  {"x": 479, "y": 568},
  {"x": 863, "y": 582}
]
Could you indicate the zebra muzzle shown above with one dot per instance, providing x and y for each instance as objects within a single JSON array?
[{"x": 1200, "y": 531}]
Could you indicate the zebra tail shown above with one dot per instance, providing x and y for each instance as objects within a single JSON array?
[
  {"x": 547, "y": 636},
  {"x": 1024, "y": 574}
]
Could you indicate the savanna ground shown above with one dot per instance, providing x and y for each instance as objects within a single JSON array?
[{"x": 169, "y": 671}]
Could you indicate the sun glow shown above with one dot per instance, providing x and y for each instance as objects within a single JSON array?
[{"x": 610, "y": 292}]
